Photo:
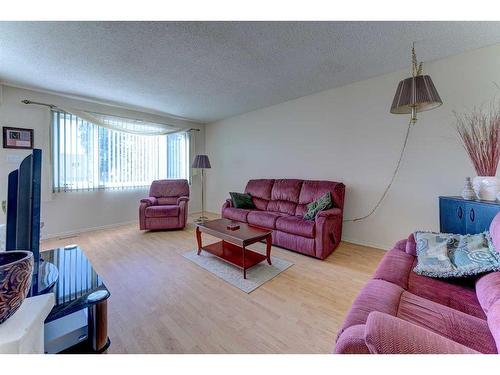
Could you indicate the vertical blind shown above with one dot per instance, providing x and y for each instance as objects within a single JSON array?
[{"x": 87, "y": 156}]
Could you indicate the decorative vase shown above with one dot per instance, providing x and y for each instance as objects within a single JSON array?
[
  {"x": 468, "y": 191},
  {"x": 16, "y": 270},
  {"x": 486, "y": 187}
]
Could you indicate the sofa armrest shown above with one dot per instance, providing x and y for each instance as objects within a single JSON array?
[
  {"x": 329, "y": 213},
  {"x": 328, "y": 227},
  {"x": 182, "y": 202},
  {"x": 352, "y": 341},
  {"x": 401, "y": 245},
  {"x": 411, "y": 245},
  {"x": 182, "y": 199},
  {"x": 387, "y": 334},
  {"x": 149, "y": 201},
  {"x": 145, "y": 203},
  {"x": 227, "y": 203}
]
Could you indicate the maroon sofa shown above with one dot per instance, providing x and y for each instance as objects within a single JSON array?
[
  {"x": 166, "y": 207},
  {"x": 281, "y": 204},
  {"x": 399, "y": 311}
]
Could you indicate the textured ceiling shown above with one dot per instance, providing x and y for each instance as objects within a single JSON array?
[{"x": 212, "y": 70}]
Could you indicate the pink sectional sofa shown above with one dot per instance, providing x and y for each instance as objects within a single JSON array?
[
  {"x": 280, "y": 206},
  {"x": 399, "y": 311},
  {"x": 166, "y": 207}
]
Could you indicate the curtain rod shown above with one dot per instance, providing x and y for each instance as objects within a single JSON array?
[
  {"x": 52, "y": 106},
  {"x": 26, "y": 101}
]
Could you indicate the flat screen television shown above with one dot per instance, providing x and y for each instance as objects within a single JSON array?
[{"x": 23, "y": 207}]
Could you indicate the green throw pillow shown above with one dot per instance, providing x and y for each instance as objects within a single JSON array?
[
  {"x": 320, "y": 204},
  {"x": 446, "y": 255},
  {"x": 242, "y": 200}
]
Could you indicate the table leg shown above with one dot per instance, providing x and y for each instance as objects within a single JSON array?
[
  {"x": 269, "y": 241},
  {"x": 98, "y": 326},
  {"x": 198, "y": 239},
  {"x": 244, "y": 267}
]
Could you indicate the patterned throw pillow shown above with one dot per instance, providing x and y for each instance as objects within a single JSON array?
[
  {"x": 320, "y": 204},
  {"x": 445, "y": 255},
  {"x": 242, "y": 200}
]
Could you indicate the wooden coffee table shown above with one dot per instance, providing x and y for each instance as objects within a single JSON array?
[{"x": 232, "y": 248}]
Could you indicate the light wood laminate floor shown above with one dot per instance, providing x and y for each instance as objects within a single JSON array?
[{"x": 163, "y": 303}]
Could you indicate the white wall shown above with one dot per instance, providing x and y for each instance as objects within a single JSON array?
[
  {"x": 72, "y": 212},
  {"x": 347, "y": 134}
]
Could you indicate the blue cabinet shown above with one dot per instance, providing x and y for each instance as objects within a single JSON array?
[
  {"x": 457, "y": 215},
  {"x": 451, "y": 215}
]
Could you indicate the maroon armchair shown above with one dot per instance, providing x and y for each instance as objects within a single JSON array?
[{"x": 166, "y": 207}]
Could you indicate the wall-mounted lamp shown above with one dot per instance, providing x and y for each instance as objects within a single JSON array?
[{"x": 415, "y": 94}]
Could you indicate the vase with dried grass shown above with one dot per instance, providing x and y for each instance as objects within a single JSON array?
[{"x": 479, "y": 132}]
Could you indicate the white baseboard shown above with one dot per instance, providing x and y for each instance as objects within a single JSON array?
[
  {"x": 376, "y": 245},
  {"x": 89, "y": 229},
  {"x": 92, "y": 229}
]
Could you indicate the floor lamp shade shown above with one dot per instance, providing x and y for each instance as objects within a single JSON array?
[
  {"x": 415, "y": 94},
  {"x": 201, "y": 161}
]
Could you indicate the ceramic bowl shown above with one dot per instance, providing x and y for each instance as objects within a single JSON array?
[{"x": 16, "y": 270}]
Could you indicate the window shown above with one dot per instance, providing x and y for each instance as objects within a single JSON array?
[{"x": 87, "y": 156}]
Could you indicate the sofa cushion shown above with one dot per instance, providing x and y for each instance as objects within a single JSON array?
[
  {"x": 162, "y": 201},
  {"x": 263, "y": 218},
  {"x": 301, "y": 209},
  {"x": 238, "y": 214},
  {"x": 285, "y": 207},
  {"x": 286, "y": 190},
  {"x": 162, "y": 211},
  {"x": 312, "y": 190},
  {"x": 260, "y": 203},
  {"x": 457, "y": 294},
  {"x": 260, "y": 188},
  {"x": 169, "y": 188},
  {"x": 296, "y": 225},
  {"x": 445, "y": 321}
]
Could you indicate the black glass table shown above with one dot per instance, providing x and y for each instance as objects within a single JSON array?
[{"x": 78, "y": 321}]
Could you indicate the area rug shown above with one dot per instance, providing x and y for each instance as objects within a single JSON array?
[{"x": 256, "y": 276}]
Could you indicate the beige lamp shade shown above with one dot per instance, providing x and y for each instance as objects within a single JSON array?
[{"x": 415, "y": 94}]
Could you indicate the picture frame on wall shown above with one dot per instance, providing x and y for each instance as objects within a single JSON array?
[{"x": 19, "y": 138}]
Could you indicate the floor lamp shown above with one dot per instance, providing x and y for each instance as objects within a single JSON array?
[{"x": 202, "y": 162}]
